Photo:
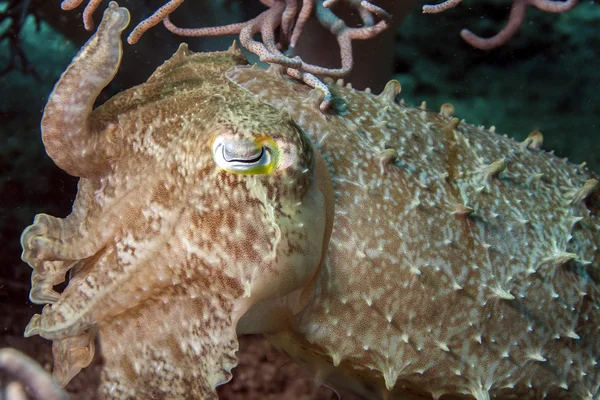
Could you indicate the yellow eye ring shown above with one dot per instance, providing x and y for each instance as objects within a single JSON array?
[{"x": 256, "y": 157}]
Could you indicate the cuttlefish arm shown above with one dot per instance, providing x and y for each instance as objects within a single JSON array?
[
  {"x": 67, "y": 131},
  {"x": 50, "y": 244},
  {"x": 216, "y": 204},
  {"x": 53, "y": 246}
]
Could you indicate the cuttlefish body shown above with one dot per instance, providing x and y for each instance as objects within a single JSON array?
[{"x": 396, "y": 252}]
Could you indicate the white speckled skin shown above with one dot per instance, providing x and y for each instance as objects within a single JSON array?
[
  {"x": 461, "y": 262},
  {"x": 432, "y": 260}
]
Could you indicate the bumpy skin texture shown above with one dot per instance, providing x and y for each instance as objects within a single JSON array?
[
  {"x": 460, "y": 263},
  {"x": 165, "y": 249}
]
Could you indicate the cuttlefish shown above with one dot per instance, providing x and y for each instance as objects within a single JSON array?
[{"x": 395, "y": 252}]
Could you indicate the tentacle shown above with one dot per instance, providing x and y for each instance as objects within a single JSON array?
[
  {"x": 52, "y": 246},
  {"x": 66, "y": 127},
  {"x": 94, "y": 294}
]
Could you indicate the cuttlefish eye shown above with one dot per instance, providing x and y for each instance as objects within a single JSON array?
[{"x": 249, "y": 156}]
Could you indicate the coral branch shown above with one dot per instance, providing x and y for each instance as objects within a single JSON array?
[
  {"x": 282, "y": 17},
  {"x": 305, "y": 12},
  {"x": 345, "y": 34},
  {"x": 153, "y": 20},
  {"x": 287, "y": 19},
  {"x": 29, "y": 374},
  {"x": 223, "y": 30},
  {"x": 438, "y": 8},
  {"x": 515, "y": 19},
  {"x": 277, "y": 15},
  {"x": 88, "y": 21}
]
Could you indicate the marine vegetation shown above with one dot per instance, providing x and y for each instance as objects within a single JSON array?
[{"x": 396, "y": 252}]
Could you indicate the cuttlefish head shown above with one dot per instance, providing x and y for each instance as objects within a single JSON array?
[
  {"x": 213, "y": 222},
  {"x": 248, "y": 241},
  {"x": 277, "y": 199},
  {"x": 193, "y": 210},
  {"x": 250, "y": 215}
]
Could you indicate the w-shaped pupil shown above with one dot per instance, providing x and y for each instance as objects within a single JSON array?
[{"x": 234, "y": 156}]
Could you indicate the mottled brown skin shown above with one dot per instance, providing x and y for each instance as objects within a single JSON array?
[
  {"x": 460, "y": 263},
  {"x": 165, "y": 249}
]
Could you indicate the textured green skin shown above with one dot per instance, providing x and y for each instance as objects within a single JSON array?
[{"x": 461, "y": 262}]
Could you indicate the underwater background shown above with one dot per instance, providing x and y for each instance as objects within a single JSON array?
[{"x": 546, "y": 78}]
